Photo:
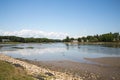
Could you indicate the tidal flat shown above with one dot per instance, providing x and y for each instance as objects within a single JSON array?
[{"x": 106, "y": 68}]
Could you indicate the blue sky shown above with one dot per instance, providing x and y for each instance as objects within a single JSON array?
[{"x": 58, "y": 17}]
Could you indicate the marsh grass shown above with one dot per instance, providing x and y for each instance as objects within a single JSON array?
[{"x": 11, "y": 72}]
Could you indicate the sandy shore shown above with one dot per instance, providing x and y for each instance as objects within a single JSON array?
[{"x": 107, "y": 68}]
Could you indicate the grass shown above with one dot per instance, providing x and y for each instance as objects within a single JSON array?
[{"x": 11, "y": 72}]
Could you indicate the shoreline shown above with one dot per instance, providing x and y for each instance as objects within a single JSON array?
[
  {"x": 68, "y": 70},
  {"x": 35, "y": 70},
  {"x": 94, "y": 43},
  {"x": 116, "y": 43}
]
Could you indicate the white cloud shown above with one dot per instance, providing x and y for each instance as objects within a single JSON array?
[{"x": 34, "y": 33}]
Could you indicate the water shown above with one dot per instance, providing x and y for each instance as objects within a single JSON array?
[{"x": 58, "y": 51}]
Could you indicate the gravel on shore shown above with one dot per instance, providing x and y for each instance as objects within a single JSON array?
[
  {"x": 36, "y": 71},
  {"x": 107, "y": 68}
]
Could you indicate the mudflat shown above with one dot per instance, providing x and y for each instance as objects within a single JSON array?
[
  {"x": 106, "y": 68},
  {"x": 110, "y": 61}
]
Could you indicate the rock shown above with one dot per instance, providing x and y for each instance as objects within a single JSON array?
[{"x": 113, "y": 78}]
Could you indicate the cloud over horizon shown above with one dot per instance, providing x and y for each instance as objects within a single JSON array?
[{"x": 34, "y": 33}]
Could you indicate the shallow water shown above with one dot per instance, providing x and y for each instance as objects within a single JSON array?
[{"x": 58, "y": 51}]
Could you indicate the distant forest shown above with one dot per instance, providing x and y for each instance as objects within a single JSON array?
[
  {"x": 108, "y": 37},
  {"x": 26, "y": 40}
]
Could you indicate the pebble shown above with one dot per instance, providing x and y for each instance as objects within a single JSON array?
[{"x": 113, "y": 78}]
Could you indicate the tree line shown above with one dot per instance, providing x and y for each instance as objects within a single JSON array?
[
  {"x": 26, "y": 40},
  {"x": 108, "y": 37}
]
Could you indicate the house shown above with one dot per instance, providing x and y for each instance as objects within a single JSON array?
[
  {"x": 87, "y": 40},
  {"x": 82, "y": 40},
  {"x": 75, "y": 41}
]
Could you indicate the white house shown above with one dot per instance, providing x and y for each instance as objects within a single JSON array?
[{"x": 75, "y": 41}]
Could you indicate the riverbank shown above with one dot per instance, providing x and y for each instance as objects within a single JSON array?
[
  {"x": 39, "y": 72},
  {"x": 97, "y": 43},
  {"x": 105, "y": 69},
  {"x": 113, "y": 43}
]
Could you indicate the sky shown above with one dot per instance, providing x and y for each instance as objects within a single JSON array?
[{"x": 59, "y": 18}]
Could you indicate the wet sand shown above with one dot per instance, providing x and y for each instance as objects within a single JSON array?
[{"x": 107, "y": 68}]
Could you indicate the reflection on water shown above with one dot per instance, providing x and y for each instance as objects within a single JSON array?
[
  {"x": 111, "y": 45},
  {"x": 58, "y": 51},
  {"x": 67, "y": 46}
]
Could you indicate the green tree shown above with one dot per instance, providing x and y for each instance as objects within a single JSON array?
[
  {"x": 67, "y": 39},
  {"x": 79, "y": 39},
  {"x": 84, "y": 38},
  {"x": 71, "y": 38},
  {"x": 116, "y": 36}
]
